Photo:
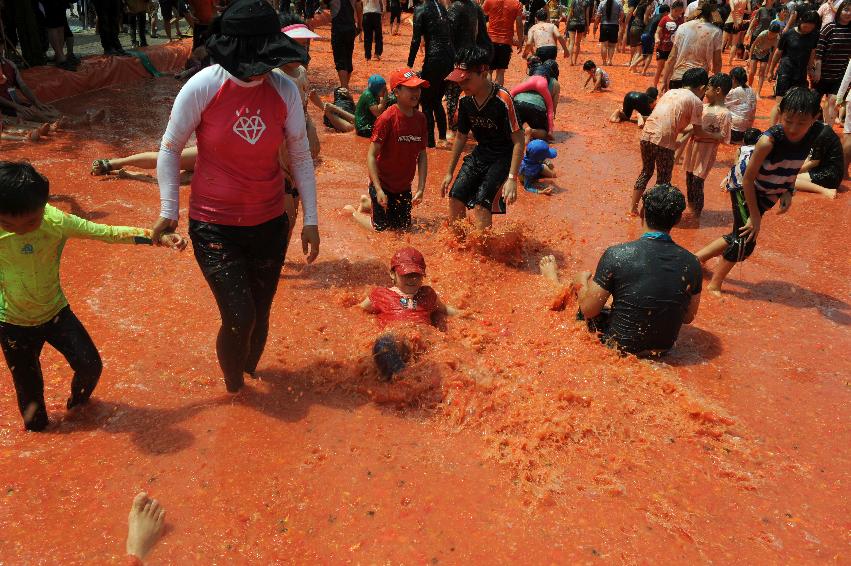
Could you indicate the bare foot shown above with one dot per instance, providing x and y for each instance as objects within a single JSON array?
[
  {"x": 633, "y": 211},
  {"x": 144, "y": 525},
  {"x": 714, "y": 289},
  {"x": 34, "y": 135},
  {"x": 547, "y": 191},
  {"x": 549, "y": 268},
  {"x": 365, "y": 204},
  {"x": 831, "y": 193},
  {"x": 44, "y": 129},
  {"x": 350, "y": 209}
]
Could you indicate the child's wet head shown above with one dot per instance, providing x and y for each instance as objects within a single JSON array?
[{"x": 23, "y": 196}]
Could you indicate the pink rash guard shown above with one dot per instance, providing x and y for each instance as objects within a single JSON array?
[
  {"x": 239, "y": 128},
  {"x": 539, "y": 85}
]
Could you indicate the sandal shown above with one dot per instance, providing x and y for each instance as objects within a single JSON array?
[{"x": 100, "y": 167}]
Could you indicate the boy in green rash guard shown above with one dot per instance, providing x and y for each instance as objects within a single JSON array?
[
  {"x": 33, "y": 308},
  {"x": 371, "y": 104}
]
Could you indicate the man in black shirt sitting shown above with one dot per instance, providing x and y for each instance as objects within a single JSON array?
[{"x": 654, "y": 283}]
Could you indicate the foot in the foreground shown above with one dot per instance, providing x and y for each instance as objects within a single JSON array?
[
  {"x": 549, "y": 268},
  {"x": 831, "y": 193},
  {"x": 714, "y": 289},
  {"x": 144, "y": 525}
]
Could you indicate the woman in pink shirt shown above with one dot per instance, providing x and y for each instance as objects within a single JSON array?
[{"x": 241, "y": 110}]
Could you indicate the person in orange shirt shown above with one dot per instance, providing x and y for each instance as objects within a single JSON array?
[{"x": 505, "y": 28}]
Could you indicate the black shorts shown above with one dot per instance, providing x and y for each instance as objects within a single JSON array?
[
  {"x": 397, "y": 215},
  {"x": 824, "y": 87},
  {"x": 342, "y": 47},
  {"x": 675, "y": 83},
  {"x": 737, "y": 250},
  {"x": 761, "y": 58},
  {"x": 786, "y": 82},
  {"x": 54, "y": 14},
  {"x": 826, "y": 177},
  {"x": 609, "y": 33},
  {"x": 533, "y": 116},
  {"x": 546, "y": 53},
  {"x": 630, "y": 106},
  {"x": 662, "y": 55},
  {"x": 648, "y": 42},
  {"x": 732, "y": 28},
  {"x": 633, "y": 36},
  {"x": 479, "y": 183},
  {"x": 578, "y": 28},
  {"x": 501, "y": 56}
]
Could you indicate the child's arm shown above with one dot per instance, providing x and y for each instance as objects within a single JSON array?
[
  {"x": 752, "y": 226},
  {"x": 422, "y": 173},
  {"x": 598, "y": 80},
  {"x": 448, "y": 310},
  {"x": 457, "y": 148},
  {"x": 372, "y": 165},
  {"x": 588, "y": 80},
  {"x": 28, "y": 93},
  {"x": 76, "y": 227}
]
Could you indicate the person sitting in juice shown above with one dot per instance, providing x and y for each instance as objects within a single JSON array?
[{"x": 407, "y": 301}]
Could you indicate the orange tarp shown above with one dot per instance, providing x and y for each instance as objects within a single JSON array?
[{"x": 51, "y": 83}]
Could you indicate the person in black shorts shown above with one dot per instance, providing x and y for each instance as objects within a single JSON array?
[
  {"x": 346, "y": 18},
  {"x": 488, "y": 178},
  {"x": 654, "y": 283},
  {"x": 823, "y": 171},
  {"x": 56, "y": 23},
  {"x": 641, "y": 102},
  {"x": 793, "y": 51}
]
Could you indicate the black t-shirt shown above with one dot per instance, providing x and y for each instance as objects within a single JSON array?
[
  {"x": 492, "y": 123},
  {"x": 653, "y": 24},
  {"x": 342, "y": 15},
  {"x": 651, "y": 282},
  {"x": 796, "y": 49},
  {"x": 827, "y": 149}
]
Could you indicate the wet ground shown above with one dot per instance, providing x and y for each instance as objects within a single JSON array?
[{"x": 516, "y": 437}]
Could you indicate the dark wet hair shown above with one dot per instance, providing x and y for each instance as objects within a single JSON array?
[
  {"x": 665, "y": 9},
  {"x": 342, "y": 93},
  {"x": 809, "y": 17},
  {"x": 542, "y": 15},
  {"x": 722, "y": 81},
  {"x": 751, "y": 136},
  {"x": 23, "y": 190},
  {"x": 652, "y": 92},
  {"x": 695, "y": 77},
  {"x": 473, "y": 57},
  {"x": 739, "y": 76},
  {"x": 663, "y": 207},
  {"x": 675, "y": 5},
  {"x": 800, "y": 100},
  {"x": 588, "y": 65}
]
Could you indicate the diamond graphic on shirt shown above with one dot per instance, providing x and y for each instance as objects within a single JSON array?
[{"x": 250, "y": 128}]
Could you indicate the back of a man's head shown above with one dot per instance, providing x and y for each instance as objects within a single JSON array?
[{"x": 663, "y": 207}]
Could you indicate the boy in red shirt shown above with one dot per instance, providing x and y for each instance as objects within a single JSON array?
[
  {"x": 398, "y": 149},
  {"x": 408, "y": 301}
]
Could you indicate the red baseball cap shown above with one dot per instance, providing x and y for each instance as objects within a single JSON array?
[
  {"x": 408, "y": 260},
  {"x": 462, "y": 71},
  {"x": 406, "y": 77}
]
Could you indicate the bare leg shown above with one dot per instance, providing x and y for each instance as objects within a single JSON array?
[
  {"x": 482, "y": 217},
  {"x": 846, "y": 149},
  {"x": 775, "y": 112},
  {"x": 721, "y": 271},
  {"x": 56, "y": 37},
  {"x": 555, "y": 95},
  {"x": 660, "y": 65},
  {"x": 457, "y": 210},
  {"x": 344, "y": 78},
  {"x": 805, "y": 183},
  {"x": 714, "y": 249},
  {"x": 500, "y": 76},
  {"x": 549, "y": 269},
  {"x": 763, "y": 70},
  {"x": 144, "y": 525}
]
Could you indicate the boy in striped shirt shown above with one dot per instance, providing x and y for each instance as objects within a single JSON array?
[{"x": 769, "y": 177}]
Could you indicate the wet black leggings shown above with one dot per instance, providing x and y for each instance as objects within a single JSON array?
[
  {"x": 22, "y": 347},
  {"x": 694, "y": 190},
  {"x": 432, "y": 103},
  {"x": 242, "y": 266},
  {"x": 654, "y": 157}
]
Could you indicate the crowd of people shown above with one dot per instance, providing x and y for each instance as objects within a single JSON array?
[{"x": 249, "y": 104}]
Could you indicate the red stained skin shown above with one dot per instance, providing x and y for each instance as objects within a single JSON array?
[{"x": 515, "y": 436}]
